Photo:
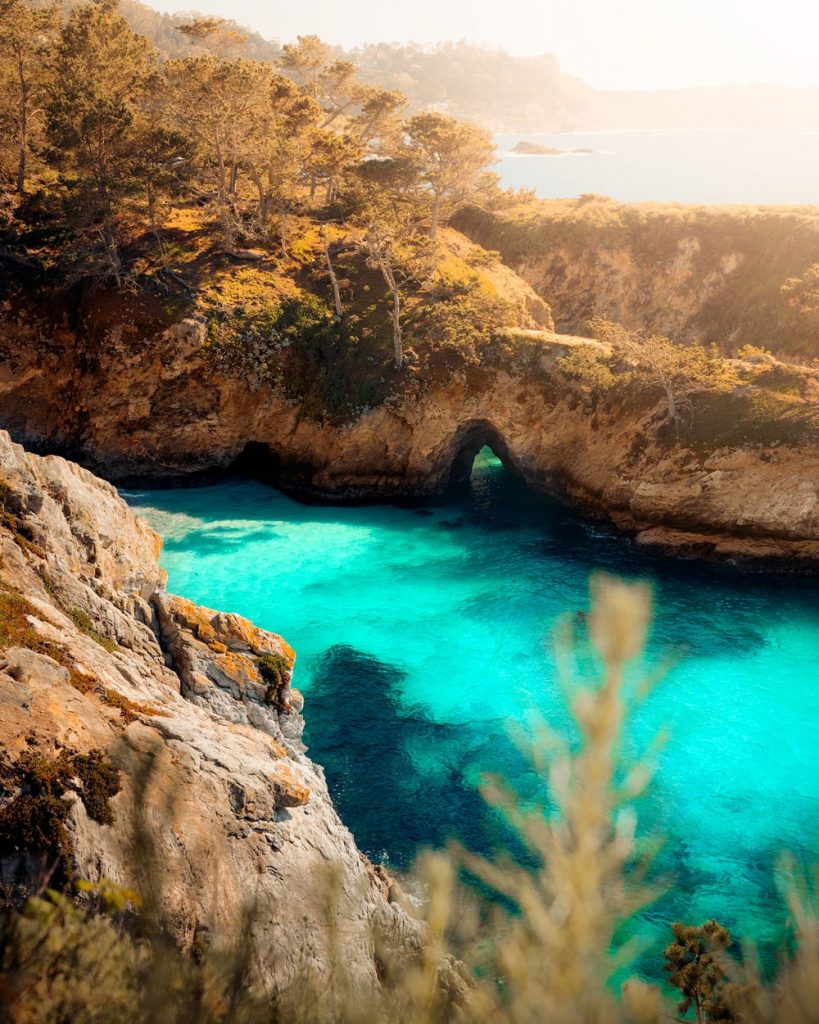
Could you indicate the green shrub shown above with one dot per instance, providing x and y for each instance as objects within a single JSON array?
[
  {"x": 697, "y": 966},
  {"x": 35, "y": 823},
  {"x": 34, "y": 820},
  {"x": 588, "y": 368},
  {"x": 301, "y": 348},
  {"x": 789, "y": 381},
  {"x": 15, "y": 629},
  {"x": 61, "y": 964},
  {"x": 275, "y": 671},
  {"x": 99, "y": 781},
  {"x": 463, "y": 319}
]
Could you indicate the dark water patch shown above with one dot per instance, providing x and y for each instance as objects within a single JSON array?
[
  {"x": 452, "y": 524},
  {"x": 419, "y": 776},
  {"x": 713, "y": 640},
  {"x": 210, "y": 541}
]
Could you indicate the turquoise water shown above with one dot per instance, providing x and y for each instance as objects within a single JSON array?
[
  {"x": 420, "y": 637},
  {"x": 670, "y": 166}
]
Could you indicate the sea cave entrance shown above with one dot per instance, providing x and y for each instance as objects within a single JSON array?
[{"x": 471, "y": 440}]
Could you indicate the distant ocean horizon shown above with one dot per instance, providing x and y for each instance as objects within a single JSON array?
[{"x": 669, "y": 166}]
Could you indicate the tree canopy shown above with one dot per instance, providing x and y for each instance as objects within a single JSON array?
[{"x": 94, "y": 117}]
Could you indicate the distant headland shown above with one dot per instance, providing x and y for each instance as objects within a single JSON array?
[{"x": 534, "y": 149}]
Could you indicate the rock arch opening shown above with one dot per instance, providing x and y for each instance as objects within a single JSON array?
[{"x": 469, "y": 440}]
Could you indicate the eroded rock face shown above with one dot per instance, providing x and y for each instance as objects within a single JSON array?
[
  {"x": 757, "y": 505},
  {"x": 166, "y": 413},
  {"x": 217, "y": 659},
  {"x": 108, "y": 661}
]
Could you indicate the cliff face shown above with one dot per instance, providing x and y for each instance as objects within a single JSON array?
[
  {"x": 708, "y": 274},
  {"x": 165, "y": 413},
  {"x": 136, "y": 398},
  {"x": 96, "y": 656}
]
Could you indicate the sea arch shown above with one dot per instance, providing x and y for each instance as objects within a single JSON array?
[{"x": 468, "y": 440}]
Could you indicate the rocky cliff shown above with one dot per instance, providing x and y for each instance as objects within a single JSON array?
[
  {"x": 99, "y": 666},
  {"x": 158, "y": 409},
  {"x": 724, "y": 275},
  {"x": 138, "y": 384}
]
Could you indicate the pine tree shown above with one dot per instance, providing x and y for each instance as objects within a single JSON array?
[
  {"x": 453, "y": 157},
  {"x": 27, "y": 34},
  {"x": 696, "y": 966},
  {"x": 101, "y": 75},
  {"x": 221, "y": 104}
]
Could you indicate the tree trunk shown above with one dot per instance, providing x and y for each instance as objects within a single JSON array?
[
  {"x": 397, "y": 341},
  {"x": 333, "y": 279},
  {"x": 342, "y": 322},
  {"x": 228, "y": 227},
  {"x": 435, "y": 219},
  {"x": 23, "y": 135},
  {"x": 673, "y": 414},
  {"x": 112, "y": 252},
  {"x": 163, "y": 260},
  {"x": 151, "y": 202},
  {"x": 220, "y": 160},
  {"x": 282, "y": 222},
  {"x": 21, "y": 162},
  {"x": 262, "y": 195}
]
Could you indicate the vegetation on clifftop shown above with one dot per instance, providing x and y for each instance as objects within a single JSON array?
[
  {"x": 294, "y": 209},
  {"x": 748, "y": 275},
  {"x": 701, "y": 398},
  {"x": 299, "y": 215}
]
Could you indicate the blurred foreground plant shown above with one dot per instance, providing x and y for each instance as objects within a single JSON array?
[{"x": 554, "y": 957}]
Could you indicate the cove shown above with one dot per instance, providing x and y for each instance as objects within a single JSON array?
[{"x": 423, "y": 634}]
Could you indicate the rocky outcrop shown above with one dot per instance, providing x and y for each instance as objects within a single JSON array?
[
  {"x": 136, "y": 405},
  {"x": 96, "y": 656},
  {"x": 535, "y": 149},
  {"x": 753, "y": 505},
  {"x": 167, "y": 414}
]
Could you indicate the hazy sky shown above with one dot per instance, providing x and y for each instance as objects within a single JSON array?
[{"x": 609, "y": 43}]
